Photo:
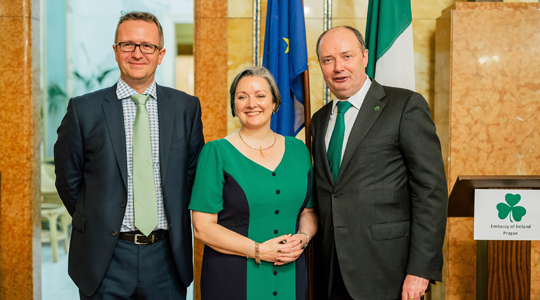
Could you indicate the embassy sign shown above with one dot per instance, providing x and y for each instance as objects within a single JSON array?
[{"x": 507, "y": 215}]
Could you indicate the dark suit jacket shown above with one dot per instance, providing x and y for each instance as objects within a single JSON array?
[
  {"x": 91, "y": 177},
  {"x": 386, "y": 213}
]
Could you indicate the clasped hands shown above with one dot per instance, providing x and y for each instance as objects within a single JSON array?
[{"x": 283, "y": 249}]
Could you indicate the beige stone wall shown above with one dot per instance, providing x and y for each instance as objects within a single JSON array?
[{"x": 488, "y": 102}]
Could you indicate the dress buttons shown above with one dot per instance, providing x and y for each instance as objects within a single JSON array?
[
  {"x": 273, "y": 173},
  {"x": 275, "y": 273},
  {"x": 275, "y": 293},
  {"x": 123, "y": 204},
  {"x": 275, "y": 231},
  {"x": 114, "y": 233},
  {"x": 278, "y": 191},
  {"x": 277, "y": 211}
]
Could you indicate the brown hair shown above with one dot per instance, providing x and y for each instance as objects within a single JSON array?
[
  {"x": 255, "y": 71},
  {"x": 143, "y": 16}
]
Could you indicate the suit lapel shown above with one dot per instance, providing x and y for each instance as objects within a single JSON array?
[
  {"x": 370, "y": 110},
  {"x": 166, "y": 122},
  {"x": 321, "y": 143},
  {"x": 114, "y": 116}
]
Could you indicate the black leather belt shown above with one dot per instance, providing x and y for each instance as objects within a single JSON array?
[{"x": 138, "y": 238}]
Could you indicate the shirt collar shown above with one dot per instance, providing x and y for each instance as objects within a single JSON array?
[
  {"x": 124, "y": 91},
  {"x": 357, "y": 99}
]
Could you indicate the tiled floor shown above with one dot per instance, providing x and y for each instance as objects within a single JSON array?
[{"x": 55, "y": 281}]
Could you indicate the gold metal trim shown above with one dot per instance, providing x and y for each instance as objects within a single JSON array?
[
  {"x": 256, "y": 42},
  {"x": 327, "y": 24}
]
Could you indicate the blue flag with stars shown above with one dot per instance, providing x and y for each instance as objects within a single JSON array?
[{"x": 285, "y": 55}]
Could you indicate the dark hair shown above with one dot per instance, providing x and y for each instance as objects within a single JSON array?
[
  {"x": 143, "y": 16},
  {"x": 354, "y": 30},
  {"x": 255, "y": 71}
]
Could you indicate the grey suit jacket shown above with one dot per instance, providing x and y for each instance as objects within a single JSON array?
[
  {"x": 385, "y": 216},
  {"x": 91, "y": 177}
]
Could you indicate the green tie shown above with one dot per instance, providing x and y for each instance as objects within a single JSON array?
[
  {"x": 335, "y": 146},
  {"x": 144, "y": 188}
]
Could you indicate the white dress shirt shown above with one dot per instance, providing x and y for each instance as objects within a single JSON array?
[{"x": 350, "y": 116}]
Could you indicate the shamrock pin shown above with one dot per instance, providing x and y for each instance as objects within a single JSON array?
[
  {"x": 377, "y": 107},
  {"x": 517, "y": 211}
]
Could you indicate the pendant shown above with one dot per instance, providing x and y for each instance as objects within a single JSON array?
[{"x": 262, "y": 155}]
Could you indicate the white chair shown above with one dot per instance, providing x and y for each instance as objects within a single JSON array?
[{"x": 53, "y": 211}]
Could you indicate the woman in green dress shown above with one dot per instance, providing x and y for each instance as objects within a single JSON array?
[{"x": 251, "y": 202}]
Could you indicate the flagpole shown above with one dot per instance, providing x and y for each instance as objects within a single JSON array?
[{"x": 307, "y": 109}]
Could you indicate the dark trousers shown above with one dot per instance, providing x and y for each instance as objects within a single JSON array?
[{"x": 141, "y": 272}]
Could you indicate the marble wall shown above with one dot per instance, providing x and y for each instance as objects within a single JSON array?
[
  {"x": 210, "y": 57},
  {"x": 20, "y": 224},
  {"x": 488, "y": 102}
]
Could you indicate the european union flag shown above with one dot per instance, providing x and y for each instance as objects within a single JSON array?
[{"x": 285, "y": 55}]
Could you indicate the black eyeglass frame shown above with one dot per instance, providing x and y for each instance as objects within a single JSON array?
[{"x": 138, "y": 45}]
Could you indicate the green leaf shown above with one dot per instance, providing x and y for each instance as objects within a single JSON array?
[
  {"x": 102, "y": 76},
  {"x": 504, "y": 210},
  {"x": 518, "y": 212},
  {"x": 56, "y": 98},
  {"x": 512, "y": 199}
]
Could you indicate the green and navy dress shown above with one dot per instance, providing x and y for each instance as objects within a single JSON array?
[{"x": 257, "y": 203}]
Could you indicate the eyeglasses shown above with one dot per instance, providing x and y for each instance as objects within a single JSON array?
[{"x": 145, "y": 48}]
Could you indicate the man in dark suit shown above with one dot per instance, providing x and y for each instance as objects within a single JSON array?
[
  {"x": 380, "y": 180},
  {"x": 125, "y": 162}
]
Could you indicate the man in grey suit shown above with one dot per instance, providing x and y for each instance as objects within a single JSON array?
[
  {"x": 125, "y": 164},
  {"x": 379, "y": 178}
]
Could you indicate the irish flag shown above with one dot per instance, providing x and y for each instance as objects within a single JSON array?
[{"x": 389, "y": 39}]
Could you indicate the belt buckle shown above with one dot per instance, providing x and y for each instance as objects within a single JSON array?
[{"x": 137, "y": 243}]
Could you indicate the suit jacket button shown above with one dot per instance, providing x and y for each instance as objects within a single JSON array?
[
  {"x": 332, "y": 228},
  {"x": 335, "y": 195},
  {"x": 123, "y": 204},
  {"x": 114, "y": 233}
]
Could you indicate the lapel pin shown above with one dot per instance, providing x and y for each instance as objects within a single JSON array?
[{"x": 377, "y": 107}]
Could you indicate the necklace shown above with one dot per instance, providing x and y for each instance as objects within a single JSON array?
[{"x": 260, "y": 148}]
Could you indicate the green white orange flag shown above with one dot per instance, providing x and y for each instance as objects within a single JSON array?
[{"x": 389, "y": 39}]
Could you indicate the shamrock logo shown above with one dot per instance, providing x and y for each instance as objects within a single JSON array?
[{"x": 510, "y": 209}]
